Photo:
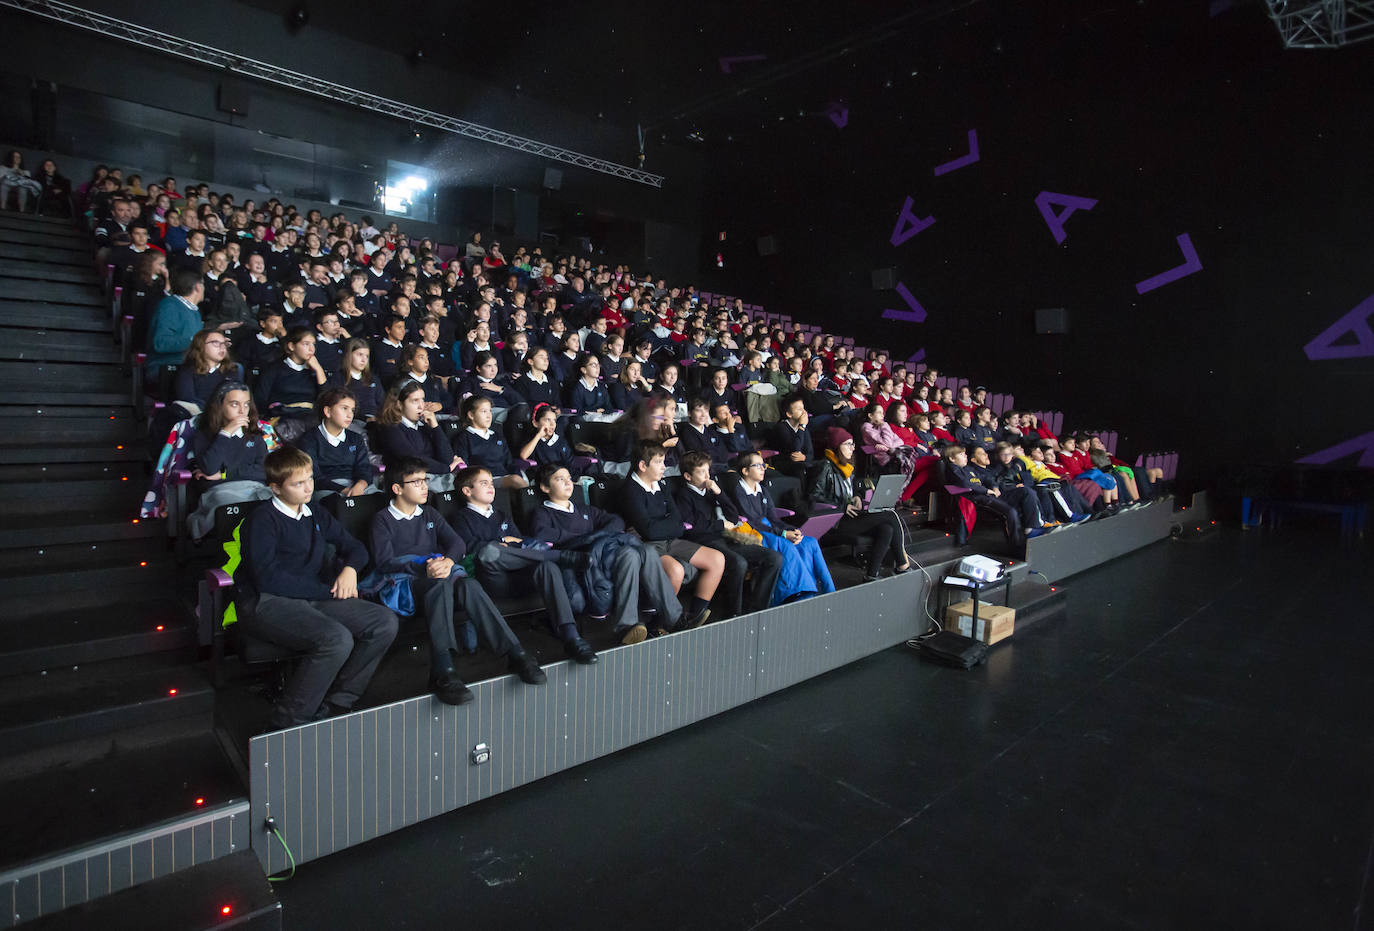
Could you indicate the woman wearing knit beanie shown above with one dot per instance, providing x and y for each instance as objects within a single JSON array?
[{"x": 834, "y": 485}]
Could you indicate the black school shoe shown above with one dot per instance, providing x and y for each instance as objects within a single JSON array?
[
  {"x": 450, "y": 689},
  {"x": 524, "y": 666},
  {"x": 695, "y": 621},
  {"x": 581, "y": 651}
]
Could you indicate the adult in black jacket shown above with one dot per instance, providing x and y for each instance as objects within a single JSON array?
[
  {"x": 834, "y": 485},
  {"x": 407, "y": 534}
]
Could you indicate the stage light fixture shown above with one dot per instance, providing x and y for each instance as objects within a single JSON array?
[{"x": 298, "y": 17}]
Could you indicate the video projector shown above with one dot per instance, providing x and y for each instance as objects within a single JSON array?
[{"x": 980, "y": 568}]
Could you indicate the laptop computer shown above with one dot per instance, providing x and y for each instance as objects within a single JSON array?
[{"x": 887, "y": 492}]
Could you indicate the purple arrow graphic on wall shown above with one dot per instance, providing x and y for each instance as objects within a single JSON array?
[
  {"x": 1191, "y": 264},
  {"x": 727, "y": 61},
  {"x": 1356, "y": 324},
  {"x": 1364, "y": 445},
  {"x": 908, "y": 224},
  {"x": 916, "y": 314},
  {"x": 839, "y": 115},
  {"x": 962, "y": 160}
]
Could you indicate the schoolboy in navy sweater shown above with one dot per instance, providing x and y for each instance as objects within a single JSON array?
[
  {"x": 291, "y": 594},
  {"x": 339, "y": 454},
  {"x": 408, "y": 531},
  {"x": 507, "y": 566}
]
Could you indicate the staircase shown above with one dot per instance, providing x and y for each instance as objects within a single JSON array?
[{"x": 101, "y": 691}]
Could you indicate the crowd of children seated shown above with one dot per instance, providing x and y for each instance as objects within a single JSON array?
[{"x": 299, "y": 356}]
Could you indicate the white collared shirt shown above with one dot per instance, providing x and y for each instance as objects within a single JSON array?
[
  {"x": 484, "y": 434},
  {"x": 651, "y": 489},
  {"x": 320, "y": 337},
  {"x": 566, "y": 507},
  {"x": 486, "y": 510},
  {"x": 756, "y": 490},
  {"x": 402, "y": 515},
  {"x": 418, "y": 379},
  {"x": 539, "y": 378},
  {"x": 294, "y": 515},
  {"x": 388, "y": 342},
  {"x": 237, "y": 434},
  {"x": 701, "y": 491},
  {"x": 410, "y": 423},
  {"x": 330, "y": 438},
  {"x": 264, "y": 340},
  {"x": 293, "y": 365}
]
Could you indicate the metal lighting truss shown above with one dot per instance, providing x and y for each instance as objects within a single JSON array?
[
  {"x": 1323, "y": 24},
  {"x": 207, "y": 55}
]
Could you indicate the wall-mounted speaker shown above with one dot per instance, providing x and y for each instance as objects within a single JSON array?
[
  {"x": 553, "y": 179},
  {"x": 768, "y": 245},
  {"x": 1052, "y": 320},
  {"x": 884, "y": 279},
  {"x": 232, "y": 97}
]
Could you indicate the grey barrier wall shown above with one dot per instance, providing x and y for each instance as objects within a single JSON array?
[
  {"x": 337, "y": 783},
  {"x": 1060, "y": 555},
  {"x": 85, "y": 873}
]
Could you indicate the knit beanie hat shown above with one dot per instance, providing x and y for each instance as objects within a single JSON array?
[{"x": 836, "y": 437}]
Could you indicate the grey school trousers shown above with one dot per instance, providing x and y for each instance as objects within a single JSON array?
[{"x": 343, "y": 641}]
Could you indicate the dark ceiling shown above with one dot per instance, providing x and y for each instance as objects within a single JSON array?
[{"x": 660, "y": 64}]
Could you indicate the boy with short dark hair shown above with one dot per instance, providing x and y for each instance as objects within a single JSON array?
[
  {"x": 409, "y": 531},
  {"x": 286, "y": 596},
  {"x": 263, "y": 349},
  {"x": 507, "y": 563}
]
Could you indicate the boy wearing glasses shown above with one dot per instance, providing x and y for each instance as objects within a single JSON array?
[{"x": 409, "y": 535}]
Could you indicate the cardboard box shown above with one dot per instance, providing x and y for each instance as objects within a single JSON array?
[{"x": 995, "y": 622}]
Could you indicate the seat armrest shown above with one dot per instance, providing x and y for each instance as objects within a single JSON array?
[{"x": 218, "y": 579}]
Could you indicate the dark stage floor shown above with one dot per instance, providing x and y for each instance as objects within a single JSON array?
[{"x": 1191, "y": 747}]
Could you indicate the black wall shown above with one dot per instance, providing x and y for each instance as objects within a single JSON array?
[
  {"x": 324, "y": 140},
  {"x": 1175, "y": 123}
]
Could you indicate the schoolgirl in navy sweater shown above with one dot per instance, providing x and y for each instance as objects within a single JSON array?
[
  {"x": 228, "y": 443},
  {"x": 288, "y": 388},
  {"x": 536, "y": 384},
  {"x": 414, "y": 366},
  {"x": 339, "y": 454},
  {"x": 482, "y": 382},
  {"x": 356, "y": 375},
  {"x": 207, "y": 364},
  {"x": 587, "y": 394},
  {"x": 547, "y": 446},
  {"x": 406, "y": 429},
  {"x": 477, "y": 444}
]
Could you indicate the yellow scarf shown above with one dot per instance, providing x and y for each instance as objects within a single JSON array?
[{"x": 845, "y": 470}]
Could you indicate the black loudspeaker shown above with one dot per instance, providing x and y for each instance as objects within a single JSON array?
[
  {"x": 884, "y": 279},
  {"x": 768, "y": 245},
  {"x": 232, "y": 97},
  {"x": 1052, "y": 320},
  {"x": 553, "y": 179}
]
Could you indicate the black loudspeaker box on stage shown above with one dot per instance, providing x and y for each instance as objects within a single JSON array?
[
  {"x": 768, "y": 245},
  {"x": 1052, "y": 320},
  {"x": 884, "y": 279},
  {"x": 553, "y": 179}
]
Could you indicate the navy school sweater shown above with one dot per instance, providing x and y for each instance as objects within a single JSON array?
[
  {"x": 582, "y": 398},
  {"x": 198, "y": 389},
  {"x": 239, "y": 458},
  {"x": 287, "y": 557},
  {"x": 369, "y": 395},
  {"x": 347, "y": 461},
  {"x": 699, "y": 510},
  {"x": 422, "y": 535},
  {"x": 563, "y": 529},
  {"x": 490, "y": 453},
  {"x": 653, "y": 516},
  {"x": 281, "y": 384},
  {"x": 396, "y": 441},
  {"x": 477, "y": 530}
]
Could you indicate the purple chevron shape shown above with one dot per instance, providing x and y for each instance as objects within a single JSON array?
[
  {"x": 916, "y": 314},
  {"x": 908, "y": 224},
  {"x": 1191, "y": 264},
  {"x": 728, "y": 61},
  {"x": 1364, "y": 445},
  {"x": 1355, "y": 323},
  {"x": 1055, "y": 221},
  {"x": 839, "y": 115},
  {"x": 962, "y": 160}
]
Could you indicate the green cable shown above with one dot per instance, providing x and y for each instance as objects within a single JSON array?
[{"x": 291, "y": 859}]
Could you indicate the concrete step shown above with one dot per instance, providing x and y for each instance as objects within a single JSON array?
[{"x": 61, "y": 292}]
